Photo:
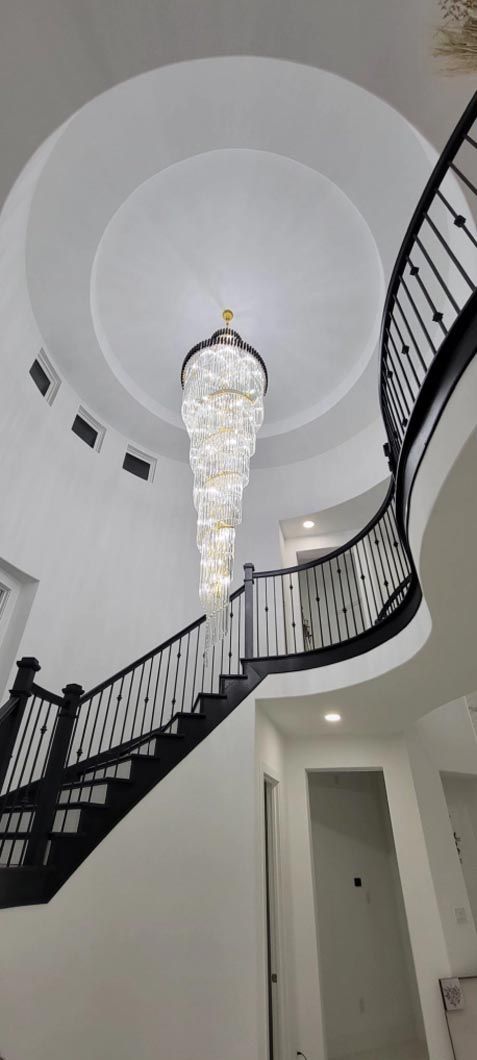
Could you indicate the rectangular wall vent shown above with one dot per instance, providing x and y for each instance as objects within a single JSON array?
[
  {"x": 45, "y": 377},
  {"x": 88, "y": 429},
  {"x": 139, "y": 464}
]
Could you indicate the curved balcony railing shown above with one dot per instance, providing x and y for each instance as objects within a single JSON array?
[
  {"x": 432, "y": 284},
  {"x": 327, "y": 608}
]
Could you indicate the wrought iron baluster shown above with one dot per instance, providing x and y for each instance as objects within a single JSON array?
[
  {"x": 292, "y": 604},
  {"x": 266, "y": 616},
  {"x": 274, "y": 583},
  {"x": 186, "y": 671},
  {"x": 450, "y": 252},
  {"x": 156, "y": 687},
  {"x": 344, "y": 609},
  {"x": 439, "y": 278},
  {"x": 106, "y": 716},
  {"x": 147, "y": 698},
  {"x": 318, "y": 603},
  {"x": 345, "y": 564},
  {"x": 116, "y": 712},
  {"x": 166, "y": 681}
]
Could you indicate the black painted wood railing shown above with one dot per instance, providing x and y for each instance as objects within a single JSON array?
[
  {"x": 57, "y": 753},
  {"x": 434, "y": 277}
]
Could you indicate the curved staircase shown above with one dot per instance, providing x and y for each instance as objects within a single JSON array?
[{"x": 72, "y": 766}]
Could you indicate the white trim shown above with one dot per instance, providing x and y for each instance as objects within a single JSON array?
[
  {"x": 55, "y": 381},
  {"x": 268, "y": 775},
  {"x": 5, "y": 591},
  {"x": 140, "y": 455},
  {"x": 98, "y": 427}
]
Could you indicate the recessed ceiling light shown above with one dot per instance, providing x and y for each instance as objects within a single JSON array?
[
  {"x": 332, "y": 717},
  {"x": 307, "y": 525}
]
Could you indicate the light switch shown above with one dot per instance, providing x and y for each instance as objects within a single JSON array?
[{"x": 461, "y": 915}]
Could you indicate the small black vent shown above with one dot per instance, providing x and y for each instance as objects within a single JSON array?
[
  {"x": 136, "y": 466},
  {"x": 85, "y": 431},
  {"x": 40, "y": 378}
]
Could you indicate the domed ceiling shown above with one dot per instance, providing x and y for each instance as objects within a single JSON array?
[{"x": 244, "y": 182}]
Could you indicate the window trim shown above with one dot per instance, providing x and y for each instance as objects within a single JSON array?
[
  {"x": 146, "y": 458},
  {"x": 95, "y": 425},
  {"x": 5, "y": 591},
  {"x": 55, "y": 381}
]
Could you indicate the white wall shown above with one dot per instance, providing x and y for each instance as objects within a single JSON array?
[
  {"x": 150, "y": 949},
  {"x": 115, "y": 558},
  {"x": 461, "y": 797},
  {"x": 156, "y": 946},
  {"x": 367, "y": 993}
]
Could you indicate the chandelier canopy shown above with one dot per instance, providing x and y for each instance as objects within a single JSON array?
[{"x": 224, "y": 381}]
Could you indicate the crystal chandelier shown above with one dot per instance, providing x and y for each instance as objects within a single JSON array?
[{"x": 224, "y": 382}]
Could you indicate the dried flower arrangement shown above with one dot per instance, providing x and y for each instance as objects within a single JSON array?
[{"x": 457, "y": 36}]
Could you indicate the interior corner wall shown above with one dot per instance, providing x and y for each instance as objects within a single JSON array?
[
  {"x": 428, "y": 943},
  {"x": 448, "y": 880},
  {"x": 150, "y": 949}
]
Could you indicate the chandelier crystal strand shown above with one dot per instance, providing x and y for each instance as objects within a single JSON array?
[{"x": 224, "y": 381}]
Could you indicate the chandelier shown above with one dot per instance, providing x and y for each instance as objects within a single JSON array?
[{"x": 224, "y": 381}]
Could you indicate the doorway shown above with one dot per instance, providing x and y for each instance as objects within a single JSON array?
[{"x": 369, "y": 992}]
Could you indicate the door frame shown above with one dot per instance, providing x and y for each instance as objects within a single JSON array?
[{"x": 270, "y": 782}]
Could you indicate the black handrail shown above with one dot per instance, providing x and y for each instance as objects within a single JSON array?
[
  {"x": 148, "y": 694},
  {"x": 338, "y": 551},
  {"x": 431, "y": 283},
  {"x": 332, "y": 600}
]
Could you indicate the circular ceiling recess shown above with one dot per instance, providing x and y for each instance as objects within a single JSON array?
[
  {"x": 272, "y": 238},
  {"x": 252, "y": 183}
]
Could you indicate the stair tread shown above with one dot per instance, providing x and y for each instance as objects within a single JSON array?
[
  {"x": 83, "y": 805},
  {"x": 210, "y": 695},
  {"x": 96, "y": 780},
  {"x": 18, "y": 807}
]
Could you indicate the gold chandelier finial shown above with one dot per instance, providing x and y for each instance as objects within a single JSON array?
[{"x": 227, "y": 315}]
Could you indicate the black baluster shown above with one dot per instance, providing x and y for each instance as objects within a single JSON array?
[
  {"x": 186, "y": 671},
  {"x": 450, "y": 252},
  {"x": 292, "y": 603},
  {"x": 274, "y": 581},
  {"x": 166, "y": 681},
  {"x": 266, "y": 618},
  {"x": 438, "y": 276},
  {"x": 318, "y": 601}
]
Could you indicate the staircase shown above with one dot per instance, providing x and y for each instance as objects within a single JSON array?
[
  {"x": 93, "y": 798},
  {"x": 72, "y": 766}
]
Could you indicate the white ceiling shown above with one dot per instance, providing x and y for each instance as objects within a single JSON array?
[
  {"x": 351, "y": 515},
  {"x": 273, "y": 239},
  {"x": 254, "y": 182},
  {"x": 56, "y": 55}
]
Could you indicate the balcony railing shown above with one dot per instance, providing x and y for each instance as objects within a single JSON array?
[{"x": 434, "y": 278}]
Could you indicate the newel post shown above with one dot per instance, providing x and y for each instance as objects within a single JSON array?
[
  {"x": 12, "y": 713},
  {"x": 248, "y": 570},
  {"x": 50, "y": 785}
]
